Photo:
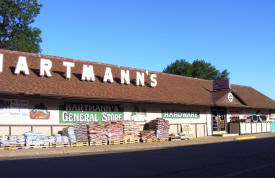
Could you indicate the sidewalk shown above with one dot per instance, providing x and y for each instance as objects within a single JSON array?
[{"x": 73, "y": 151}]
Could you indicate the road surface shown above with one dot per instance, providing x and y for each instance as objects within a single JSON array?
[{"x": 250, "y": 158}]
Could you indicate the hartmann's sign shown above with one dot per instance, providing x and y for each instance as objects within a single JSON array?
[
  {"x": 88, "y": 113},
  {"x": 181, "y": 114},
  {"x": 87, "y": 71}
]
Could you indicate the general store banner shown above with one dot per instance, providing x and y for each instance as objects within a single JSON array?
[
  {"x": 88, "y": 113},
  {"x": 180, "y": 115}
]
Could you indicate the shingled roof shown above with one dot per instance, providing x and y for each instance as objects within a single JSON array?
[
  {"x": 172, "y": 89},
  {"x": 253, "y": 98}
]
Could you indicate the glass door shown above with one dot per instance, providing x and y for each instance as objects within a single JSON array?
[{"x": 218, "y": 120}]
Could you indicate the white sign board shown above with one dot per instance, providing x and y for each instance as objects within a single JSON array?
[
  {"x": 14, "y": 107},
  {"x": 221, "y": 84}
]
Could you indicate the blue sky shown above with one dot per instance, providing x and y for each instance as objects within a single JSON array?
[{"x": 238, "y": 35}]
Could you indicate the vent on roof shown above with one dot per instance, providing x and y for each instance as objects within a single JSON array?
[{"x": 221, "y": 85}]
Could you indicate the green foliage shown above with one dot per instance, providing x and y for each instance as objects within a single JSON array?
[
  {"x": 16, "y": 16},
  {"x": 198, "y": 69}
]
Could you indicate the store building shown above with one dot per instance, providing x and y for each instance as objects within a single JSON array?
[{"x": 45, "y": 93}]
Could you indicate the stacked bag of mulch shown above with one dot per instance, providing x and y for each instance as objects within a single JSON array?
[
  {"x": 20, "y": 140},
  {"x": 76, "y": 133},
  {"x": 12, "y": 140},
  {"x": 51, "y": 139},
  {"x": 35, "y": 138},
  {"x": 131, "y": 130},
  {"x": 161, "y": 127},
  {"x": 114, "y": 130},
  {"x": 4, "y": 140},
  {"x": 147, "y": 134},
  {"x": 81, "y": 132},
  {"x": 61, "y": 138},
  {"x": 70, "y": 133},
  {"x": 97, "y": 132}
]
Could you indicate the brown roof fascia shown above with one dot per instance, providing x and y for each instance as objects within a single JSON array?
[{"x": 102, "y": 99}]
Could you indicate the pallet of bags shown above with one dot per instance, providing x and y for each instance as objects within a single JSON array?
[
  {"x": 81, "y": 135},
  {"x": 36, "y": 140},
  {"x": 161, "y": 127},
  {"x": 70, "y": 133},
  {"x": 81, "y": 132},
  {"x": 4, "y": 140},
  {"x": 131, "y": 132},
  {"x": 148, "y": 136},
  {"x": 51, "y": 139},
  {"x": 115, "y": 132},
  {"x": 58, "y": 140},
  {"x": 97, "y": 134},
  {"x": 12, "y": 142}
]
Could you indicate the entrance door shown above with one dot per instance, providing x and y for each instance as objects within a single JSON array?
[{"x": 219, "y": 120}]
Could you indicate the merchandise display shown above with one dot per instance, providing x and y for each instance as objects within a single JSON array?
[
  {"x": 51, "y": 139},
  {"x": 161, "y": 126},
  {"x": 64, "y": 139},
  {"x": 70, "y": 133},
  {"x": 97, "y": 132},
  {"x": 114, "y": 130},
  {"x": 4, "y": 140},
  {"x": 131, "y": 130},
  {"x": 147, "y": 134},
  {"x": 12, "y": 140},
  {"x": 122, "y": 132},
  {"x": 35, "y": 138},
  {"x": 20, "y": 140},
  {"x": 81, "y": 132},
  {"x": 61, "y": 138}
]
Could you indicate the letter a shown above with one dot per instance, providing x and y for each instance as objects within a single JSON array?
[{"x": 22, "y": 66}]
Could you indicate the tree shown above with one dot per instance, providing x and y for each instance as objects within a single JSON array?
[
  {"x": 16, "y": 16},
  {"x": 198, "y": 69}
]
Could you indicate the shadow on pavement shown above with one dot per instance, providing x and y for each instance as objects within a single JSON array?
[{"x": 228, "y": 159}]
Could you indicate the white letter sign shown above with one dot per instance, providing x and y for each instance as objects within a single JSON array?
[
  {"x": 108, "y": 75},
  {"x": 140, "y": 79},
  {"x": 121, "y": 76},
  {"x": 153, "y": 80},
  {"x": 45, "y": 67},
  {"x": 22, "y": 66},
  {"x": 68, "y": 65},
  {"x": 88, "y": 73},
  {"x": 125, "y": 77}
]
